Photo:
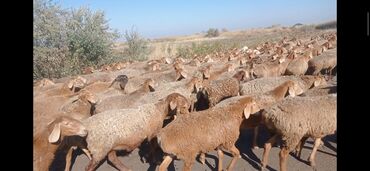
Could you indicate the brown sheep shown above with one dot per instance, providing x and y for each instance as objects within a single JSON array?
[{"x": 203, "y": 131}]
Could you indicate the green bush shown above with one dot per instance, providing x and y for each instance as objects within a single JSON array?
[
  {"x": 327, "y": 25},
  {"x": 66, "y": 41},
  {"x": 212, "y": 32},
  {"x": 138, "y": 48}
]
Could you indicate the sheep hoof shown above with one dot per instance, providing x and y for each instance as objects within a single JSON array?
[
  {"x": 263, "y": 168},
  {"x": 255, "y": 147}
]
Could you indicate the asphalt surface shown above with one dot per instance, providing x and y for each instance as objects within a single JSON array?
[{"x": 326, "y": 158}]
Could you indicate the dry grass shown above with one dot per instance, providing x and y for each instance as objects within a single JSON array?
[{"x": 170, "y": 46}]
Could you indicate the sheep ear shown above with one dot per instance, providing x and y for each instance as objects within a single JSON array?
[
  {"x": 172, "y": 105},
  {"x": 291, "y": 92},
  {"x": 281, "y": 60},
  {"x": 183, "y": 73},
  {"x": 206, "y": 74},
  {"x": 247, "y": 111},
  {"x": 70, "y": 84},
  {"x": 316, "y": 83},
  {"x": 55, "y": 134}
]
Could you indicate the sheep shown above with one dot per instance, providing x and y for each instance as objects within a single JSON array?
[
  {"x": 323, "y": 62},
  {"x": 263, "y": 100},
  {"x": 320, "y": 91},
  {"x": 203, "y": 131},
  {"x": 261, "y": 85},
  {"x": 298, "y": 66},
  {"x": 270, "y": 69},
  {"x": 293, "y": 119},
  {"x": 124, "y": 101},
  {"x": 88, "y": 70},
  {"x": 99, "y": 76},
  {"x": 119, "y": 83},
  {"x": 123, "y": 129},
  {"x": 78, "y": 107},
  {"x": 43, "y": 82},
  {"x": 68, "y": 88},
  {"x": 216, "y": 74},
  {"x": 44, "y": 151},
  {"x": 269, "y": 98},
  {"x": 217, "y": 90}
]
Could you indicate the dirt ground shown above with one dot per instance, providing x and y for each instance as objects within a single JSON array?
[{"x": 326, "y": 158}]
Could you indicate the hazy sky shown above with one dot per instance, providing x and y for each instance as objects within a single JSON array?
[{"x": 160, "y": 18}]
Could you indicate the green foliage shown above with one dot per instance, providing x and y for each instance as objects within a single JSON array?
[
  {"x": 327, "y": 25},
  {"x": 207, "y": 47},
  {"x": 65, "y": 41},
  {"x": 138, "y": 48},
  {"x": 212, "y": 32}
]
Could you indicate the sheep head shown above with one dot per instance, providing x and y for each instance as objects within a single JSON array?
[
  {"x": 240, "y": 75},
  {"x": 77, "y": 84},
  {"x": 293, "y": 88},
  {"x": 150, "y": 84},
  {"x": 249, "y": 105},
  {"x": 65, "y": 126},
  {"x": 44, "y": 82},
  {"x": 121, "y": 80},
  {"x": 206, "y": 72},
  {"x": 180, "y": 74},
  {"x": 87, "y": 96}
]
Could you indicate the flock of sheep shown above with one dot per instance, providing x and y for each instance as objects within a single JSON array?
[{"x": 191, "y": 107}]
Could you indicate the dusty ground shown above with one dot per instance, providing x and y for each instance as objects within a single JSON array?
[{"x": 326, "y": 158}]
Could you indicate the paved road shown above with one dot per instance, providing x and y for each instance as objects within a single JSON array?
[{"x": 326, "y": 158}]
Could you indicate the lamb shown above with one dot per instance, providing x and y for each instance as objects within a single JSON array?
[
  {"x": 217, "y": 90},
  {"x": 124, "y": 101},
  {"x": 261, "y": 85},
  {"x": 293, "y": 119},
  {"x": 203, "y": 131},
  {"x": 323, "y": 62},
  {"x": 123, "y": 129}
]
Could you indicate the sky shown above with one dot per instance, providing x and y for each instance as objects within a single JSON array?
[{"x": 163, "y": 18}]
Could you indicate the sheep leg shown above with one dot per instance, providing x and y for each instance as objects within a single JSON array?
[
  {"x": 236, "y": 154},
  {"x": 166, "y": 162},
  {"x": 255, "y": 135},
  {"x": 69, "y": 158},
  {"x": 313, "y": 153},
  {"x": 188, "y": 163},
  {"x": 266, "y": 152},
  {"x": 220, "y": 158},
  {"x": 112, "y": 157},
  {"x": 87, "y": 152},
  {"x": 298, "y": 150},
  {"x": 283, "y": 155},
  {"x": 92, "y": 165},
  {"x": 202, "y": 158}
]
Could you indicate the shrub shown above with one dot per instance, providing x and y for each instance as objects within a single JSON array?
[
  {"x": 65, "y": 41},
  {"x": 138, "y": 48},
  {"x": 212, "y": 33}
]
